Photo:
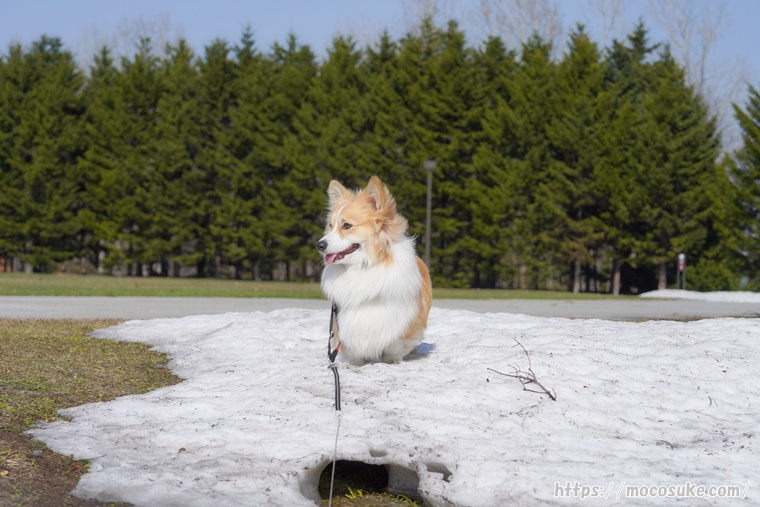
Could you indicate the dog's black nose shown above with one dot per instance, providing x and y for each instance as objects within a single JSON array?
[{"x": 322, "y": 245}]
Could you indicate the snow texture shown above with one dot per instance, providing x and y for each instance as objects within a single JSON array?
[
  {"x": 638, "y": 404},
  {"x": 718, "y": 297}
]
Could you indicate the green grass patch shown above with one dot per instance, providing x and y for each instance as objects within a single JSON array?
[
  {"x": 446, "y": 293},
  {"x": 20, "y": 284}
]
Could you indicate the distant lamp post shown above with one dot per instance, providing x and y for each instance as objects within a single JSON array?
[
  {"x": 681, "y": 275},
  {"x": 429, "y": 165}
]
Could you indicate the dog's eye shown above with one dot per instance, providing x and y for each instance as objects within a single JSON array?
[{"x": 346, "y": 226}]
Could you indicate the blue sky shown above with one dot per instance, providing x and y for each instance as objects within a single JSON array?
[
  {"x": 314, "y": 22},
  {"x": 80, "y": 22}
]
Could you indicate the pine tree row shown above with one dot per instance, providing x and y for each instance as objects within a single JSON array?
[{"x": 591, "y": 171}]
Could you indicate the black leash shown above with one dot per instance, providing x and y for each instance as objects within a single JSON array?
[{"x": 332, "y": 354}]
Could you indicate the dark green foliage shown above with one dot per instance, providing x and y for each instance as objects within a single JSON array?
[
  {"x": 589, "y": 172},
  {"x": 576, "y": 124},
  {"x": 42, "y": 188},
  {"x": 104, "y": 131},
  {"x": 746, "y": 172}
]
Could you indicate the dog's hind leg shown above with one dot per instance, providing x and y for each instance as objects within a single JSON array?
[{"x": 399, "y": 349}]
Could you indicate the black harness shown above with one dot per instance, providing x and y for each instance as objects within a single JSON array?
[{"x": 332, "y": 354}]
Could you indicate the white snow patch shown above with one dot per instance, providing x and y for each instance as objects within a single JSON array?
[
  {"x": 717, "y": 297},
  {"x": 651, "y": 404}
]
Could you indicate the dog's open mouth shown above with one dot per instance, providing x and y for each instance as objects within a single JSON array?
[{"x": 330, "y": 258}]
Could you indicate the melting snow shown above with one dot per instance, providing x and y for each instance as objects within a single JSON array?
[
  {"x": 718, "y": 297},
  {"x": 638, "y": 404}
]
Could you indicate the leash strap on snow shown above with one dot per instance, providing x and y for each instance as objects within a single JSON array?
[
  {"x": 335, "y": 460},
  {"x": 337, "y": 386},
  {"x": 332, "y": 354}
]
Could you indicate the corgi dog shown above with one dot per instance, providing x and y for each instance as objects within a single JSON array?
[{"x": 372, "y": 273}]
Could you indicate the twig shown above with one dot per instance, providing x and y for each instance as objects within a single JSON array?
[{"x": 527, "y": 377}]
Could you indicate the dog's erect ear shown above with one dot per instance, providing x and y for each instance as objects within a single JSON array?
[
  {"x": 334, "y": 192},
  {"x": 380, "y": 196}
]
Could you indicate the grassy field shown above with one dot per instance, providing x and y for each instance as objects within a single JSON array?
[{"x": 19, "y": 284}]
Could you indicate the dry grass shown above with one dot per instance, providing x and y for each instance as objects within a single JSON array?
[{"x": 48, "y": 365}]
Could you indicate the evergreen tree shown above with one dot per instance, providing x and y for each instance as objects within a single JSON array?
[
  {"x": 532, "y": 109},
  {"x": 41, "y": 150},
  {"x": 221, "y": 184},
  {"x": 494, "y": 189},
  {"x": 177, "y": 234},
  {"x": 746, "y": 174},
  {"x": 139, "y": 181},
  {"x": 435, "y": 77},
  {"x": 220, "y": 163},
  {"x": 104, "y": 135},
  {"x": 622, "y": 150},
  {"x": 227, "y": 188},
  {"x": 386, "y": 149},
  {"x": 615, "y": 183},
  {"x": 13, "y": 82},
  {"x": 329, "y": 131},
  {"x": 245, "y": 141},
  {"x": 719, "y": 263},
  {"x": 453, "y": 122},
  {"x": 271, "y": 93},
  {"x": 681, "y": 166},
  {"x": 572, "y": 132}
]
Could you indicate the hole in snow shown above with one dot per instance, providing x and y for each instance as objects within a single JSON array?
[
  {"x": 440, "y": 468},
  {"x": 356, "y": 475},
  {"x": 377, "y": 477}
]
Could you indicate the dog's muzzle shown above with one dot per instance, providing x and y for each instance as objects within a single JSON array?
[{"x": 332, "y": 257}]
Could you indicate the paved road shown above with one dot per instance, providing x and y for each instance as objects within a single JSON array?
[{"x": 62, "y": 307}]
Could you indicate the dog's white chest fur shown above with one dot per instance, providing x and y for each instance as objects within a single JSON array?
[{"x": 376, "y": 304}]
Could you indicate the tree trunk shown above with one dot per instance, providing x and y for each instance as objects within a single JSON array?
[
  {"x": 28, "y": 266},
  {"x": 662, "y": 277},
  {"x": 576, "y": 277},
  {"x": 256, "y": 271},
  {"x": 523, "y": 276},
  {"x": 615, "y": 277}
]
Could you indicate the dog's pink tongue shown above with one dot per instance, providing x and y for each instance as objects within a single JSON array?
[{"x": 330, "y": 258}]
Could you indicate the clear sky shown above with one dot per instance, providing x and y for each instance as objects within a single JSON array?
[
  {"x": 85, "y": 24},
  {"x": 315, "y": 22}
]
